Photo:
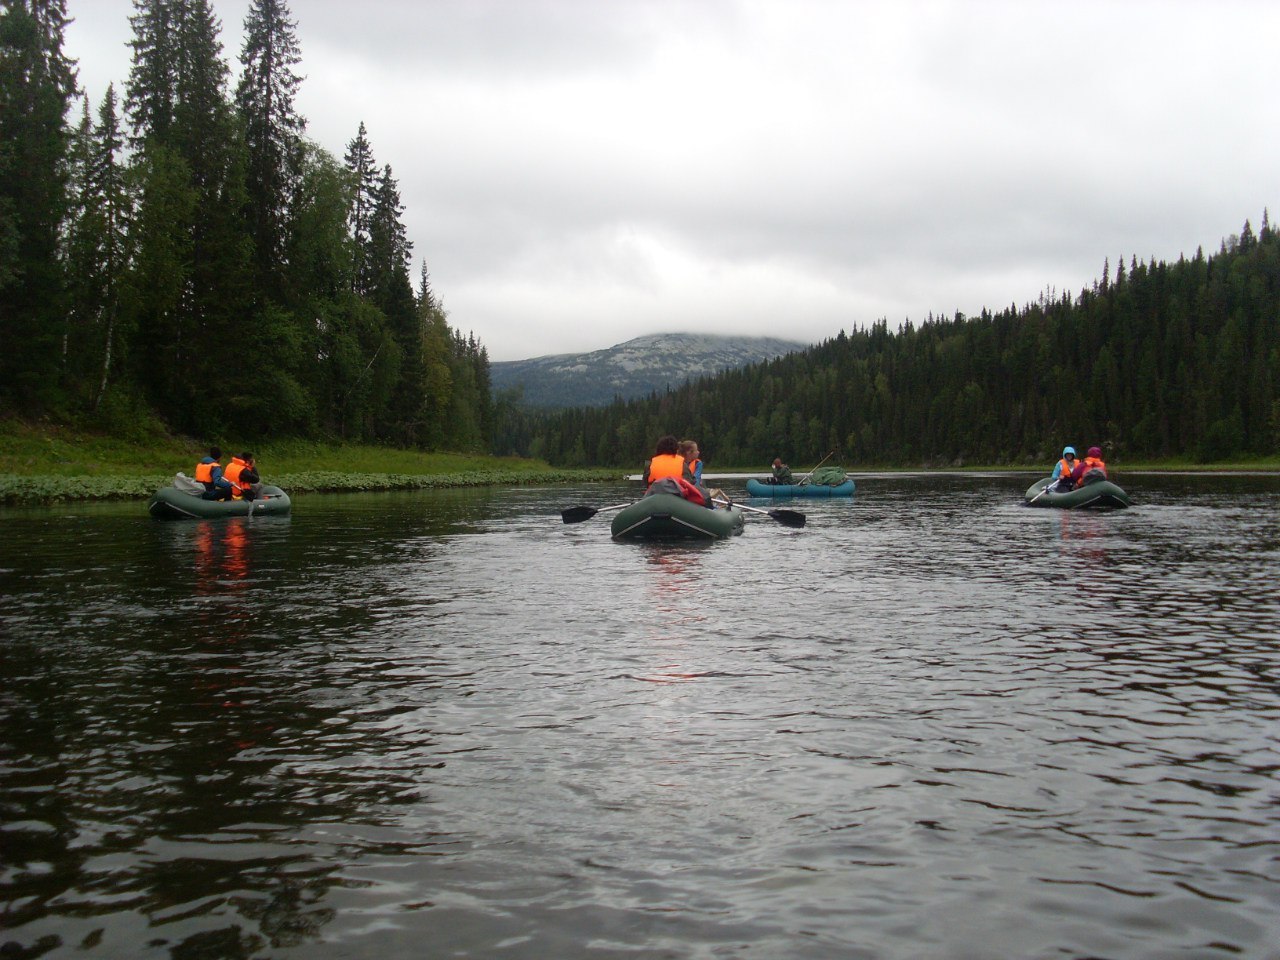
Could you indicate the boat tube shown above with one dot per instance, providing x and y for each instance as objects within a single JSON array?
[
  {"x": 758, "y": 488},
  {"x": 665, "y": 516},
  {"x": 170, "y": 503},
  {"x": 1099, "y": 495}
]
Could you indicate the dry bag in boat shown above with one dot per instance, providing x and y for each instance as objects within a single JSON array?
[{"x": 828, "y": 476}]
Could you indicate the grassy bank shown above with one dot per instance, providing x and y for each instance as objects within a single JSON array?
[{"x": 40, "y": 463}]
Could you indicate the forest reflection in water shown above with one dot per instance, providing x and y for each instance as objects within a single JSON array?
[{"x": 930, "y": 723}]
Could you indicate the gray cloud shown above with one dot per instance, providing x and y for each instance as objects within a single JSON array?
[{"x": 578, "y": 173}]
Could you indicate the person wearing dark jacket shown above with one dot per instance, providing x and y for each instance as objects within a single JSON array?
[
  {"x": 781, "y": 473},
  {"x": 209, "y": 472},
  {"x": 1091, "y": 469},
  {"x": 242, "y": 474}
]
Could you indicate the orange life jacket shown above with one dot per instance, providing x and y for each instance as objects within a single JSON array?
[
  {"x": 1091, "y": 463},
  {"x": 1065, "y": 467},
  {"x": 232, "y": 472},
  {"x": 665, "y": 465},
  {"x": 691, "y": 469},
  {"x": 204, "y": 471}
]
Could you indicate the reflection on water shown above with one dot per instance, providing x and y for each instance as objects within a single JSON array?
[{"x": 931, "y": 723}]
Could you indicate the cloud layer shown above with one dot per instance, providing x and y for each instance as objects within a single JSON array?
[{"x": 578, "y": 173}]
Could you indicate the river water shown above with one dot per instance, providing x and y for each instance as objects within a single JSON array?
[{"x": 930, "y": 724}]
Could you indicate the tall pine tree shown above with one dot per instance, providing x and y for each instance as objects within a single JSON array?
[
  {"x": 273, "y": 134},
  {"x": 37, "y": 84},
  {"x": 390, "y": 290},
  {"x": 363, "y": 171},
  {"x": 97, "y": 255},
  {"x": 189, "y": 151}
]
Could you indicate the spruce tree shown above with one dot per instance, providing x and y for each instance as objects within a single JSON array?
[
  {"x": 273, "y": 133},
  {"x": 110, "y": 205},
  {"x": 184, "y": 128},
  {"x": 363, "y": 171},
  {"x": 37, "y": 84},
  {"x": 389, "y": 289}
]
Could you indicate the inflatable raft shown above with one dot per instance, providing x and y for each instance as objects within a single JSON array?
[
  {"x": 665, "y": 516},
  {"x": 757, "y": 488},
  {"x": 169, "y": 503},
  {"x": 1100, "y": 495}
]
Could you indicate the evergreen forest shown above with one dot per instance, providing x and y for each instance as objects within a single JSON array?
[
  {"x": 1158, "y": 361},
  {"x": 179, "y": 254}
]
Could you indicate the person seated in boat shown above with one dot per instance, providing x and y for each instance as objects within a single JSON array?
[
  {"x": 693, "y": 471},
  {"x": 781, "y": 473},
  {"x": 692, "y": 462},
  {"x": 1062, "y": 470},
  {"x": 1089, "y": 470},
  {"x": 209, "y": 472},
  {"x": 666, "y": 462},
  {"x": 667, "y": 472},
  {"x": 242, "y": 474}
]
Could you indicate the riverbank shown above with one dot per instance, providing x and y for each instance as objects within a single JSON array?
[
  {"x": 47, "y": 463},
  {"x": 40, "y": 464}
]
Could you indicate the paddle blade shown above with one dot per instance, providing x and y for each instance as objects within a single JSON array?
[
  {"x": 788, "y": 518},
  {"x": 577, "y": 514}
]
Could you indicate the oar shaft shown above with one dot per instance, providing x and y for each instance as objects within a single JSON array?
[
  {"x": 788, "y": 518},
  {"x": 815, "y": 467},
  {"x": 579, "y": 514},
  {"x": 740, "y": 506}
]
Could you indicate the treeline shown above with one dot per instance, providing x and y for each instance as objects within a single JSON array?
[
  {"x": 1160, "y": 360},
  {"x": 184, "y": 252}
]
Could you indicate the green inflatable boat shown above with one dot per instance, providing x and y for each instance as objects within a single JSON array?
[
  {"x": 1099, "y": 495},
  {"x": 665, "y": 516},
  {"x": 170, "y": 503}
]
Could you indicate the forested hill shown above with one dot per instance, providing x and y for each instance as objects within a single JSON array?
[
  {"x": 1154, "y": 360},
  {"x": 180, "y": 251},
  {"x": 632, "y": 369}
]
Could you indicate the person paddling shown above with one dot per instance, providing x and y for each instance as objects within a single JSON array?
[
  {"x": 781, "y": 473},
  {"x": 1063, "y": 468},
  {"x": 242, "y": 474}
]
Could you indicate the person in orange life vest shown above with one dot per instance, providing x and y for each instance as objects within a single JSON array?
[
  {"x": 1091, "y": 469},
  {"x": 666, "y": 462},
  {"x": 244, "y": 480},
  {"x": 1062, "y": 469},
  {"x": 692, "y": 464},
  {"x": 251, "y": 476},
  {"x": 693, "y": 471},
  {"x": 209, "y": 472}
]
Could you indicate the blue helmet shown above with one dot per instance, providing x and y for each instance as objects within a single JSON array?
[{"x": 1070, "y": 450}]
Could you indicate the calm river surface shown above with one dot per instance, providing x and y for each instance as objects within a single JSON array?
[{"x": 931, "y": 724}]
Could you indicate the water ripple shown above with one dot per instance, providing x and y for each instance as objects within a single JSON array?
[{"x": 931, "y": 723}]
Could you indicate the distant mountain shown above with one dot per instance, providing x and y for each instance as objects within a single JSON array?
[{"x": 631, "y": 369}]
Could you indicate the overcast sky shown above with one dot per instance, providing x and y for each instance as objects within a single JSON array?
[{"x": 580, "y": 172}]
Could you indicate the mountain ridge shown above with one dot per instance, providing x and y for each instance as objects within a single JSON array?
[{"x": 631, "y": 369}]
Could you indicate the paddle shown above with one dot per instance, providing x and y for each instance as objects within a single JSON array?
[
  {"x": 1043, "y": 490},
  {"x": 788, "y": 518},
  {"x": 578, "y": 514},
  {"x": 805, "y": 478}
]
